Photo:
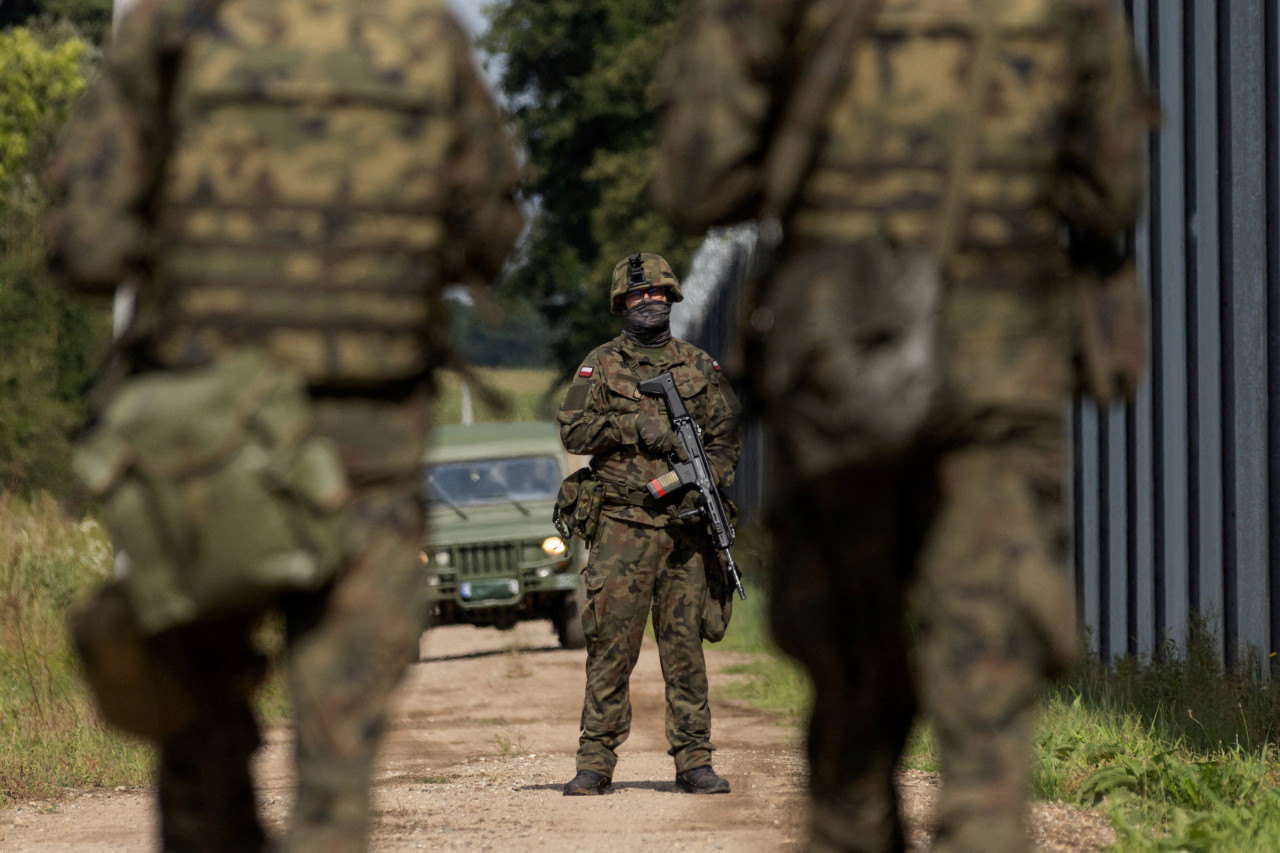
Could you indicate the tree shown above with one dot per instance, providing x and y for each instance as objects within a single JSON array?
[
  {"x": 577, "y": 77},
  {"x": 48, "y": 340},
  {"x": 92, "y": 18},
  {"x": 36, "y": 88}
]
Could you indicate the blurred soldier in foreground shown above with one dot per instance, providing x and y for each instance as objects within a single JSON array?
[
  {"x": 645, "y": 559},
  {"x": 945, "y": 188},
  {"x": 291, "y": 185}
]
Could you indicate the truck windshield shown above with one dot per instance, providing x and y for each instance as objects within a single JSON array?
[{"x": 520, "y": 478}]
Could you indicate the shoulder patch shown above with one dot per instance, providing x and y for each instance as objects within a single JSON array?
[
  {"x": 576, "y": 398},
  {"x": 585, "y": 371},
  {"x": 716, "y": 365}
]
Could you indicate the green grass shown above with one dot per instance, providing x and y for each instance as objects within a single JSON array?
[
  {"x": 50, "y": 736},
  {"x": 1179, "y": 751},
  {"x": 775, "y": 683},
  {"x": 1160, "y": 794}
]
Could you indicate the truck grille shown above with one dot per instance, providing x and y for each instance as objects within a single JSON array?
[{"x": 474, "y": 561}]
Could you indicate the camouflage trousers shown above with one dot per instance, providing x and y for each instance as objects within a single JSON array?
[
  {"x": 935, "y": 585},
  {"x": 634, "y": 571},
  {"x": 348, "y": 647}
]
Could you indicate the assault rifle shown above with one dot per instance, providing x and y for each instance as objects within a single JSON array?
[{"x": 692, "y": 469}]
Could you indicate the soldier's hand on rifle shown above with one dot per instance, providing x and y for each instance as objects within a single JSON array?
[{"x": 655, "y": 433}]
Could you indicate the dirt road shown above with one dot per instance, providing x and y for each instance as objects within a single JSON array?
[{"x": 482, "y": 739}]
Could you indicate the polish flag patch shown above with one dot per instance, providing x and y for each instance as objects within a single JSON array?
[
  {"x": 585, "y": 371},
  {"x": 716, "y": 365}
]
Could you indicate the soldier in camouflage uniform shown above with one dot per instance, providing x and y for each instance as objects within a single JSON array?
[
  {"x": 303, "y": 178},
  {"x": 975, "y": 521},
  {"x": 643, "y": 558}
]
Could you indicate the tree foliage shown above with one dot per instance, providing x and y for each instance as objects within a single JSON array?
[
  {"x": 518, "y": 338},
  {"x": 91, "y": 18},
  {"x": 48, "y": 340},
  {"x": 36, "y": 88},
  {"x": 577, "y": 76}
]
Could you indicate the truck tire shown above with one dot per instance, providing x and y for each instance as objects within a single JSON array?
[{"x": 568, "y": 622}]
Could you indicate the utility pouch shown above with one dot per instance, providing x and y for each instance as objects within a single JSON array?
[
  {"x": 578, "y": 505},
  {"x": 134, "y": 691},
  {"x": 717, "y": 610},
  {"x": 214, "y": 486},
  {"x": 845, "y": 352}
]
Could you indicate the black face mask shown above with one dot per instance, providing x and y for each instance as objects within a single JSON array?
[{"x": 649, "y": 323}]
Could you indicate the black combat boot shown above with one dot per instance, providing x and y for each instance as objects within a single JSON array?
[
  {"x": 702, "y": 780},
  {"x": 588, "y": 783}
]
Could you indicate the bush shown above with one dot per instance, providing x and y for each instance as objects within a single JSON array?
[{"x": 48, "y": 340}]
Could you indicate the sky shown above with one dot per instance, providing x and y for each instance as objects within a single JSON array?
[
  {"x": 471, "y": 16},
  {"x": 469, "y": 13}
]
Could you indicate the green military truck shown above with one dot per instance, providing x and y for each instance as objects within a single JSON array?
[{"x": 493, "y": 556}]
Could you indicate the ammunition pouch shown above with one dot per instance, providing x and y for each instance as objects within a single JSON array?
[
  {"x": 213, "y": 484},
  {"x": 578, "y": 505}
]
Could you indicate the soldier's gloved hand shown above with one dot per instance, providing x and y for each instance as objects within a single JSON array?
[{"x": 655, "y": 433}]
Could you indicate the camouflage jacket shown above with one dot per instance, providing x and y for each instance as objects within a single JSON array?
[
  {"x": 597, "y": 419},
  {"x": 1059, "y": 138},
  {"x": 304, "y": 177}
]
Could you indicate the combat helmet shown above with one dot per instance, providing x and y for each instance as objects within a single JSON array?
[{"x": 639, "y": 272}]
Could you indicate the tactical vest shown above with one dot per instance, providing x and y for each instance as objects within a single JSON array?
[
  {"x": 883, "y": 164},
  {"x": 301, "y": 205}
]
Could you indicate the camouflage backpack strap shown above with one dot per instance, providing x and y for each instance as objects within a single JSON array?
[
  {"x": 813, "y": 90},
  {"x": 792, "y": 152},
  {"x": 965, "y": 152}
]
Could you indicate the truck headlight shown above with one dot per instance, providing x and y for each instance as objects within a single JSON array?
[
  {"x": 553, "y": 546},
  {"x": 442, "y": 558}
]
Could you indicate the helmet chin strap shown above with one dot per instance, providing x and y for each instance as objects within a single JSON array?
[{"x": 648, "y": 324}]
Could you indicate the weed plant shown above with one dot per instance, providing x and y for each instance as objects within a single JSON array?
[
  {"x": 1180, "y": 750},
  {"x": 1189, "y": 696},
  {"x": 50, "y": 737},
  {"x": 1160, "y": 794}
]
